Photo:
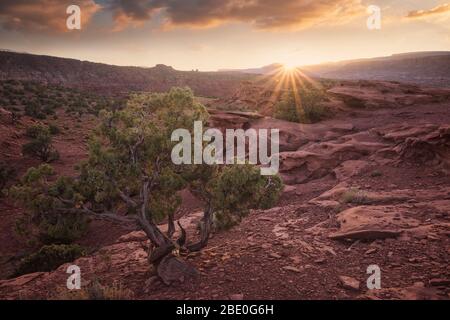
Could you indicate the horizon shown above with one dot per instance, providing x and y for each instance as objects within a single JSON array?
[
  {"x": 208, "y": 36},
  {"x": 227, "y": 69}
]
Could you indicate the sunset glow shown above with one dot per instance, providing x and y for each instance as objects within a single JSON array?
[{"x": 222, "y": 35}]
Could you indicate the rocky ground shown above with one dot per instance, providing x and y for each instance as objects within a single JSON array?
[{"x": 369, "y": 187}]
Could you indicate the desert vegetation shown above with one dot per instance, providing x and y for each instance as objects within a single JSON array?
[
  {"x": 129, "y": 178},
  {"x": 305, "y": 105},
  {"x": 41, "y": 101},
  {"x": 96, "y": 291},
  {"x": 48, "y": 258},
  {"x": 41, "y": 143}
]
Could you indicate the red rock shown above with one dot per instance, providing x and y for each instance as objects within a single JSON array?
[
  {"x": 349, "y": 283},
  {"x": 237, "y": 296}
]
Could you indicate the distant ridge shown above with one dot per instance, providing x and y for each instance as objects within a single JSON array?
[
  {"x": 429, "y": 68},
  {"x": 424, "y": 68},
  {"x": 114, "y": 80}
]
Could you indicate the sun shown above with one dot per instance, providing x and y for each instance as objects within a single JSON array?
[{"x": 289, "y": 67}]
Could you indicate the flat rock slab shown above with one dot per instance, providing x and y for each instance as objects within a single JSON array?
[{"x": 373, "y": 222}]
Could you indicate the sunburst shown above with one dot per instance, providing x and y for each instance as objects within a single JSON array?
[{"x": 288, "y": 77}]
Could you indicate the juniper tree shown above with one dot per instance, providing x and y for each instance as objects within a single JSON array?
[{"x": 129, "y": 178}]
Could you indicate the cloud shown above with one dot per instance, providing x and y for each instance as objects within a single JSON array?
[
  {"x": 444, "y": 8},
  {"x": 261, "y": 14},
  {"x": 43, "y": 15}
]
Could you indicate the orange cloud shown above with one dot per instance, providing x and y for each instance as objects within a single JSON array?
[
  {"x": 44, "y": 15},
  {"x": 262, "y": 14},
  {"x": 425, "y": 13}
]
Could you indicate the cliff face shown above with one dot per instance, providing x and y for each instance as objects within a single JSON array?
[{"x": 108, "y": 79}]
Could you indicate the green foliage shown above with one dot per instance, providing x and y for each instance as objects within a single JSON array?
[
  {"x": 46, "y": 219},
  {"x": 41, "y": 144},
  {"x": 49, "y": 258},
  {"x": 39, "y": 100},
  {"x": 62, "y": 228},
  {"x": 35, "y": 130},
  {"x": 134, "y": 143},
  {"x": 96, "y": 291},
  {"x": 286, "y": 109},
  {"x": 237, "y": 189},
  {"x": 33, "y": 110},
  {"x": 303, "y": 106}
]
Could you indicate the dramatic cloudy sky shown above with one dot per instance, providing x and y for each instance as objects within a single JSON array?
[{"x": 214, "y": 34}]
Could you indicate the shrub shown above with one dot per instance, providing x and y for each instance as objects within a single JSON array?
[
  {"x": 96, "y": 291},
  {"x": 304, "y": 106},
  {"x": 43, "y": 221},
  {"x": 241, "y": 188},
  {"x": 35, "y": 130},
  {"x": 355, "y": 196},
  {"x": 49, "y": 258},
  {"x": 54, "y": 129},
  {"x": 41, "y": 144},
  {"x": 286, "y": 109},
  {"x": 312, "y": 106},
  {"x": 33, "y": 110}
]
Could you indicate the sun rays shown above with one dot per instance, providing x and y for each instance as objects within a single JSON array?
[{"x": 287, "y": 78}]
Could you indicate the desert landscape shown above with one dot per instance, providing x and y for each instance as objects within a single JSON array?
[
  {"x": 93, "y": 205},
  {"x": 367, "y": 184}
]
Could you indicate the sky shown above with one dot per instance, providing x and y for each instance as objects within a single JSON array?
[{"x": 223, "y": 34}]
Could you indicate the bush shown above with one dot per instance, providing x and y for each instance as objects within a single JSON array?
[
  {"x": 286, "y": 109},
  {"x": 241, "y": 188},
  {"x": 33, "y": 110},
  {"x": 49, "y": 258},
  {"x": 313, "y": 109},
  {"x": 62, "y": 228},
  {"x": 54, "y": 129},
  {"x": 96, "y": 291},
  {"x": 305, "y": 106},
  {"x": 43, "y": 221},
  {"x": 41, "y": 144},
  {"x": 35, "y": 130},
  {"x": 355, "y": 196}
]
